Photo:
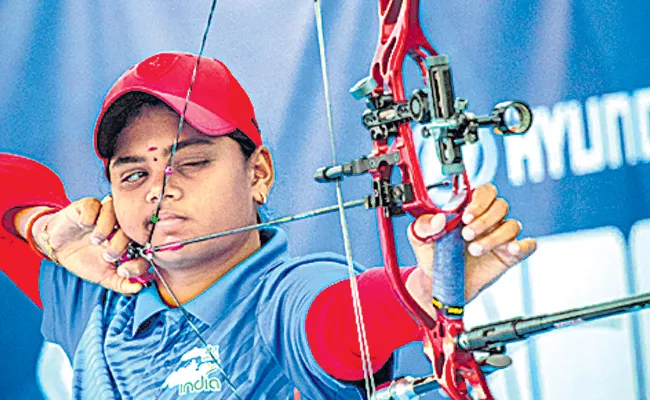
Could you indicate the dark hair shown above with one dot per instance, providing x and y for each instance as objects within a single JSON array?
[{"x": 129, "y": 107}]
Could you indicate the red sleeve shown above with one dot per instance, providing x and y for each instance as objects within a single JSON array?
[
  {"x": 24, "y": 183},
  {"x": 332, "y": 332}
]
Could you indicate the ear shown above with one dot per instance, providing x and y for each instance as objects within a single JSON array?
[{"x": 262, "y": 173}]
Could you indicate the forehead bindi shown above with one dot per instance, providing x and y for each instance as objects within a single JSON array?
[{"x": 152, "y": 149}]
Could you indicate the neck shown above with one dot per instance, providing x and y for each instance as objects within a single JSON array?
[{"x": 188, "y": 282}]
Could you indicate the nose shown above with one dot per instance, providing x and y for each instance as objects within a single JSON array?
[{"x": 171, "y": 190}]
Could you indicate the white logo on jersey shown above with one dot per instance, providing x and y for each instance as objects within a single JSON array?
[{"x": 195, "y": 376}]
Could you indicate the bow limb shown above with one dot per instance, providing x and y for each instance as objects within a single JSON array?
[{"x": 400, "y": 35}]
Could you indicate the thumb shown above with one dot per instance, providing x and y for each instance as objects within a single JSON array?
[
  {"x": 427, "y": 225},
  {"x": 419, "y": 231}
]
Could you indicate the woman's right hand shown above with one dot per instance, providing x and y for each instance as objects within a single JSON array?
[{"x": 86, "y": 239}]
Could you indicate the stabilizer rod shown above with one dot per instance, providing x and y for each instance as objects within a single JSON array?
[{"x": 495, "y": 335}]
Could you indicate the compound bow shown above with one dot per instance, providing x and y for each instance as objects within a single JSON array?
[{"x": 388, "y": 118}]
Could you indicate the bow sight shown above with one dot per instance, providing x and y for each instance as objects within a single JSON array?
[{"x": 441, "y": 116}]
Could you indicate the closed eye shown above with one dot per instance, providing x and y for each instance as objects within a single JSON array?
[
  {"x": 194, "y": 163},
  {"x": 190, "y": 165}
]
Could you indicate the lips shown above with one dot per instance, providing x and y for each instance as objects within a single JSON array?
[
  {"x": 168, "y": 219},
  {"x": 167, "y": 215}
]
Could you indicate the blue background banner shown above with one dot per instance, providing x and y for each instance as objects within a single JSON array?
[{"x": 577, "y": 180}]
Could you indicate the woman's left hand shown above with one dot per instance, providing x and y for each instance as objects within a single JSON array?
[{"x": 492, "y": 245}]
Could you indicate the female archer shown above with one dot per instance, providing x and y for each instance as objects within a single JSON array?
[{"x": 233, "y": 317}]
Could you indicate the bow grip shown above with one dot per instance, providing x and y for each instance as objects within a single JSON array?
[{"x": 449, "y": 274}]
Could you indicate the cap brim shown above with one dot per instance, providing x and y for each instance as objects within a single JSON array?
[{"x": 197, "y": 116}]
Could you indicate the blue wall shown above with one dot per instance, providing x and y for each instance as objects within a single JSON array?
[{"x": 578, "y": 180}]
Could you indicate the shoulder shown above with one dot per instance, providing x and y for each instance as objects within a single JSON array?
[
  {"x": 289, "y": 290},
  {"x": 330, "y": 267},
  {"x": 295, "y": 282}
]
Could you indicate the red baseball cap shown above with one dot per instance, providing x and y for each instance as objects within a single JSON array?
[{"x": 218, "y": 104}]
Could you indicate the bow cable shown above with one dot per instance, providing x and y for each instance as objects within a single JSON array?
[{"x": 358, "y": 313}]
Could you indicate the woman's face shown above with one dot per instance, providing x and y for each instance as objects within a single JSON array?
[{"x": 212, "y": 187}]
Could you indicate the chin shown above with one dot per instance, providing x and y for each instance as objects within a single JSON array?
[
  {"x": 195, "y": 255},
  {"x": 173, "y": 259}
]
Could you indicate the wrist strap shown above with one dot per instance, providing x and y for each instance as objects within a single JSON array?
[{"x": 30, "y": 234}]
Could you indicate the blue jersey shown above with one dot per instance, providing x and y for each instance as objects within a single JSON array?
[{"x": 253, "y": 319}]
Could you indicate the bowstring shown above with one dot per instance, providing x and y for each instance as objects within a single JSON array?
[
  {"x": 368, "y": 377},
  {"x": 169, "y": 169}
]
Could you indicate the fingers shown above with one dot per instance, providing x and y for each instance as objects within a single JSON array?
[
  {"x": 105, "y": 222},
  {"x": 504, "y": 233},
  {"x": 482, "y": 199},
  {"x": 517, "y": 250},
  {"x": 116, "y": 246},
  {"x": 127, "y": 287},
  {"x": 134, "y": 268},
  {"x": 87, "y": 210},
  {"x": 487, "y": 220},
  {"x": 423, "y": 227},
  {"x": 121, "y": 285}
]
